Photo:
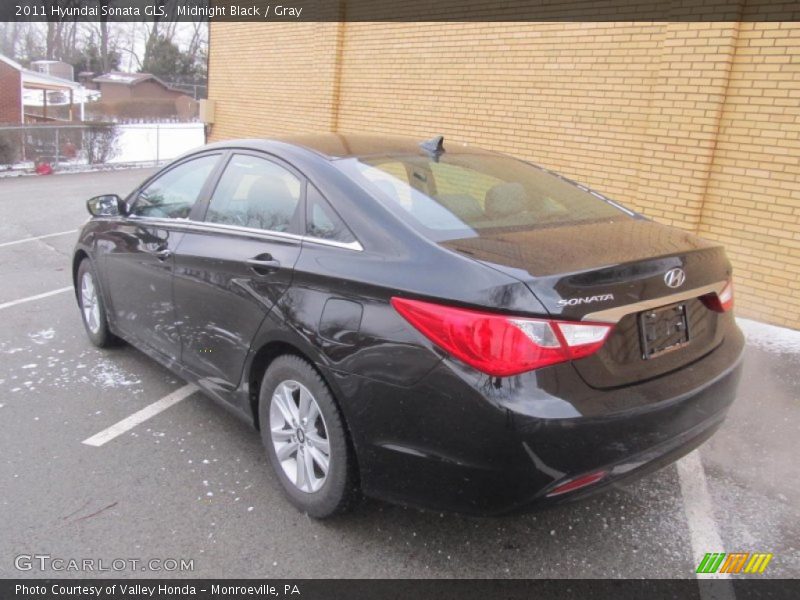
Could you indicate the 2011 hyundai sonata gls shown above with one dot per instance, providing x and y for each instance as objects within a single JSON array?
[{"x": 422, "y": 322}]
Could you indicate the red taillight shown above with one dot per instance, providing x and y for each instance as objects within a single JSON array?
[
  {"x": 499, "y": 345},
  {"x": 722, "y": 301},
  {"x": 577, "y": 483}
]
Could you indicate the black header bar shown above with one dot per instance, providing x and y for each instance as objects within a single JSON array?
[
  {"x": 404, "y": 10},
  {"x": 403, "y": 589}
]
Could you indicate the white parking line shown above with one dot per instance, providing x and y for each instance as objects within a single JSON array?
[
  {"x": 141, "y": 416},
  {"x": 36, "y": 297},
  {"x": 37, "y": 237},
  {"x": 699, "y": 509}
]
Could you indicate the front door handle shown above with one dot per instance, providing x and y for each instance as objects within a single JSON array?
[{"x": 263, "y": 263}]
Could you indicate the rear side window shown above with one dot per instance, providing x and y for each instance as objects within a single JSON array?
[
  {"x": 173, "y": 194},
  {"x": 462, "y": 195},
  {"x": 322, "y": 221},
  {"x": 257, "y": 193}
]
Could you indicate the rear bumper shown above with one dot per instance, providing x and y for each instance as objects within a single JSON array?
[{"x": 462, "y": 441}]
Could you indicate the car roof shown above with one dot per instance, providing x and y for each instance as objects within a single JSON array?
[{"x": 334, "y": 146}]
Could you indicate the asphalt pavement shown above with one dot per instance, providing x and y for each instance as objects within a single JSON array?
[{"x": 192, "y": 483}]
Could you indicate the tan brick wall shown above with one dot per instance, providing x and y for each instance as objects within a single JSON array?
[
  {"x": 752, "y": 202},
  {"x": 278, "y": 78},
  {"x": 10, "y": 109},
  {"x": 694, "y": 124}
]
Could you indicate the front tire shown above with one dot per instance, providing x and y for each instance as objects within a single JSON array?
[
  {"x": 93, "y": 310},
  {"x": 304, "y": 435}
]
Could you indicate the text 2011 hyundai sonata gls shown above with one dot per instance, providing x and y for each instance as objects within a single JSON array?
[{"x": 422, "y": 322}]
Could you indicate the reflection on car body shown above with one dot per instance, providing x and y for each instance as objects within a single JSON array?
[{"x": 426, "y": 323}]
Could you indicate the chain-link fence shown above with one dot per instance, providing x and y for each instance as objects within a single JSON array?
[{"x": 69, "y": 147}]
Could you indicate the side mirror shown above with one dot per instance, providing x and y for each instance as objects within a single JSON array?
[{"x": 107, "y": 205}]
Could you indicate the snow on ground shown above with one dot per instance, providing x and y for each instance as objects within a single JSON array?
[
  {"x": 770, "y": 337},
  {"x": 144, "y": 142},
  {"x": 137, "y": 144},
  {"x": 51, "y": 362}
]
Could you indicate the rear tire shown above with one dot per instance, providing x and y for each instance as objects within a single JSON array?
[
  {"x": 93, "y": 310},
  {"x": 300, "y": 420}
]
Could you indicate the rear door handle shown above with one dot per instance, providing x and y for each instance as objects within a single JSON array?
[{"x": 263, "y": 263}]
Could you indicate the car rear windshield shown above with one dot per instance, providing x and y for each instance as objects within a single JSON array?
[{"x": 466, "y": 195}]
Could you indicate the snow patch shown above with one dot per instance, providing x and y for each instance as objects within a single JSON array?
[
  {"x": 121, "y": 78},
  {"x": 770, "y": 337},
  {"x": 137, "y": 143},
  {"x": 108, "y": 375},
  {"x": 103, "y": 374},
  {"x": 150, "y": 142},
  {"x": 41, "y": 337}
]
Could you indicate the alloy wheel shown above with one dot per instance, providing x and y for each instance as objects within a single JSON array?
[
  {"x": 90, "y": 303},
  {"x": 299, "y": 436}
]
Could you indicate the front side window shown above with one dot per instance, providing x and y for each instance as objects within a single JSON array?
[
  {"x": 466, "y": 195},
  {"x": 173, "y": 194},
  {"x": 257, "y": 193}
]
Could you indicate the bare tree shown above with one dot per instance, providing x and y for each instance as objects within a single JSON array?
[
  {"x": 51, "y": 39},
  {"x": 60, "y": 33},
  {"x": 199, "y": 39},
  {"x": 31, "y": 42},
  {"x": 104, "y": 44},
  {"x": 126, "y": 37},
  {"x": 9, "y": 34},
  {"x": 159, "y": 28}
]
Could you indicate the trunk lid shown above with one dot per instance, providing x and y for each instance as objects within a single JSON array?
[{"x": 614, "y": 271}]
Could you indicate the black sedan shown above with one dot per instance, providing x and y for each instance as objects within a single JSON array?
[{"x": 421, "y": 322}]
